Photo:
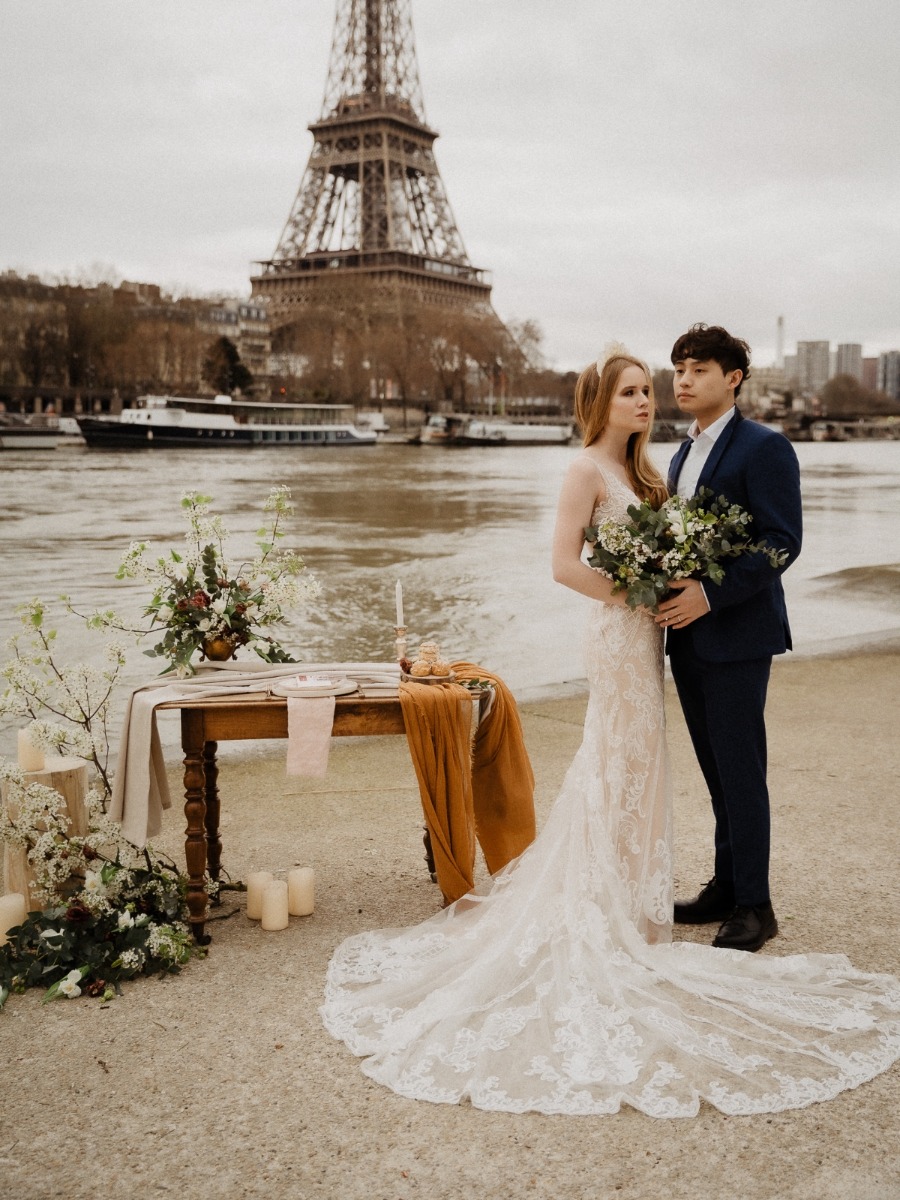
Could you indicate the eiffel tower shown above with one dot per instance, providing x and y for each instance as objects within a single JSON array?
[{"x": 372, "y": 205}]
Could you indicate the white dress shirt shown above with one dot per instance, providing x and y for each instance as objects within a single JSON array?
[{"x": 703, "y": 442}]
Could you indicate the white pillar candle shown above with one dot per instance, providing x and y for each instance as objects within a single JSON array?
[
  {"x": 12, "y": 912},
  {"x": 257, "y": 882},
  {"x": 30, "y": 757},
  {"x": 275, "y": 905},
  {"x": 301, "y": 891},
  {"x": 399, "y": 605}
]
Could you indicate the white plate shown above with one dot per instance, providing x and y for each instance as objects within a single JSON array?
[{"x": 298, "y": 686}]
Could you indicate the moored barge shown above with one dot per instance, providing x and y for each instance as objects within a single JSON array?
[{"x": 176, "y": 422}]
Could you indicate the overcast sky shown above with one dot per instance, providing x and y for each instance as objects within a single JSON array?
[{"x": 623, "y": 169}]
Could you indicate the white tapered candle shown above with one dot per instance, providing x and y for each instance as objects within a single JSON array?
[{"x": 399, "y": 605}]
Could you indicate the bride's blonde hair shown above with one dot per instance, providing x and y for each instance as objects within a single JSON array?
[{"x": 594, "y": 391}]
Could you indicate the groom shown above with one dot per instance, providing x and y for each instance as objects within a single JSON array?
[{"x": 721, "y": 638}]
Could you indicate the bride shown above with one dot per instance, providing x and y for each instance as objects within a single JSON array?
[{"x": 559, "y": 989}]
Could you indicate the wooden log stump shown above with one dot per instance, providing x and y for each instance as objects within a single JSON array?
[{"x": 69, "y": 777}]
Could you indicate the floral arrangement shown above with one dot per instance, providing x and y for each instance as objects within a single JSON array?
[
  {"x": 199, "y": 599},
  {"x": 112, "y": 911},
  {"x": 681, "y": 539}
]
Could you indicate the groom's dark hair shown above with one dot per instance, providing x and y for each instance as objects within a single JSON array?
[{"x": 712, "y": 342}]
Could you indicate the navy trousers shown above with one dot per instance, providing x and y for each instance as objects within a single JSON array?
[{"x": 724, "y": 708}]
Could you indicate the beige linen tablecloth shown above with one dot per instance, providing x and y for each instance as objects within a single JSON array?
[{"x": 140, "y": 788}]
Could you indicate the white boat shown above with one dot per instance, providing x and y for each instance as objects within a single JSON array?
[
  {"x": 170, "y": 422},
  {"x": 70, "y": 433},
  {"x": 466, "y": 429},
  {"x": 23, "y": 432},
  {"x": 372, "y": 420}
]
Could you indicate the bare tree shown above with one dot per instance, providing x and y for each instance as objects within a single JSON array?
[
  {"x": 845, "y": 396},
  {"x": 223, "y": 369}
]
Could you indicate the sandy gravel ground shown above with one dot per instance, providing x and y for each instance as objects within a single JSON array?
[{"x": 221, "y": 1082}]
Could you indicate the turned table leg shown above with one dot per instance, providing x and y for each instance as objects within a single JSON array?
[
  {"x": 213, "y": 806},
  {"x": 193, "y": 744},
  {"x": 429, "y": 853}
]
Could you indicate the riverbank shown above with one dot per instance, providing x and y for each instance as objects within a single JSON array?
[{"x": 223, "y": 1081}]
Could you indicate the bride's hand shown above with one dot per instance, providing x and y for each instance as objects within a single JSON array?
[{"x": 681, "y": 609}]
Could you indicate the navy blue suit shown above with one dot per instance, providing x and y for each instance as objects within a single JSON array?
[{"x": 721, "y": 661}]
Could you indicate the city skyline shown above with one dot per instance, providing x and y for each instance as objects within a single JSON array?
[{"x": 631, "y": 170}]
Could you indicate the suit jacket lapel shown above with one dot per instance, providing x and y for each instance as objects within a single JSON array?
[
  {"x": 722, "y": 442},
  {"x": 676, "y": 464}
]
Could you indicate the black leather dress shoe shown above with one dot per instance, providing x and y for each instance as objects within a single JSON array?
[
  {"x": 715, "y": 903},
  {"x": 748, "y": 928}
]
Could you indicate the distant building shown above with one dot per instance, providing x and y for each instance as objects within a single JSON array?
[
  {"x": 849, "y": 360},
  {"x": 246, "y": 324},
  {"x": 764, "y": 390},
  {"x": 790, "y": 369},
  {"x": 889, "y": 374},
  {"x": 813, "y": 365},
  {"x": 154, "y": 343},
  {"x": 870, "y": 373},
  {"x": 130, "y": 292}
]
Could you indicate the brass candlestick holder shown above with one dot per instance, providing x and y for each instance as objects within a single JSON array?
[{"x": 400, "y": 641}]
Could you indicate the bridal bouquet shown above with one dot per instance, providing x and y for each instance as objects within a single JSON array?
[
  {"x": 680, "y": 540},
  {"x": 202, "y": 602}
]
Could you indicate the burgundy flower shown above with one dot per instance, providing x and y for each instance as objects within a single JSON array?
[
  {"x": 182, "y": 604},
  {"x": 96, "y": 987},
  {"x": 78, "y": 914},
  {"x": 200, "y": 599}
]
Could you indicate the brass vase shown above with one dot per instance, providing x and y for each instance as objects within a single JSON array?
[{"x": 219, "y": 649}]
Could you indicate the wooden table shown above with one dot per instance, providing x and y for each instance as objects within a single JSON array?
[{"x": 205, "y": 723}]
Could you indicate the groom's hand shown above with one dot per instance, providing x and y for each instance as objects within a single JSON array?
[{"x": 690, "y": 603}]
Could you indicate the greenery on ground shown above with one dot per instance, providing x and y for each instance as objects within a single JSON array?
[{"x": 110, "y": 910}]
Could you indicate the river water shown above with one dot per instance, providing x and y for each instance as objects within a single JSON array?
[{"x": 466, "y": 531}]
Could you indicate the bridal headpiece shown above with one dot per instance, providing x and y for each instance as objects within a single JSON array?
[{"x": 611, "y": 350}]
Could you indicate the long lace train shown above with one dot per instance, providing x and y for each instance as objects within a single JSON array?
[{"x": 558, "y": 989}]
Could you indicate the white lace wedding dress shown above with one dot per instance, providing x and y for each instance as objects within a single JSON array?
[{"x": 559, "y": 990}]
